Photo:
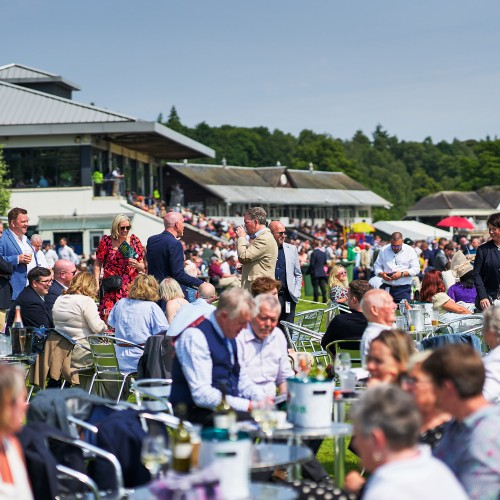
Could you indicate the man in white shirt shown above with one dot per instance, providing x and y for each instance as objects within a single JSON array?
[
  {"x": 66, "y": 252},
  {"x": 379, "y": 309},
  {"x": 36, "y": 243},
  {"x": 396, "y": 264},
  {"x": 50, "y": 255}
]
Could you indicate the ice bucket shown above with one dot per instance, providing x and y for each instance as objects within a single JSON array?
[
  {"x": 310, "y": 402},
  {"x": 233, "y": 458},
  {"x": 22, "y": 340}
]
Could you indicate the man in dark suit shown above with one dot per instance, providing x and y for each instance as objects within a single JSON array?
[
  {"x": 347, "y": 326},
  {"x": 32, "y": 300},
  {"x": 287, "y": 271},
  {"x": 5, "y": 289},
  {"x": 165, "y": 255},
  {"x": 64, "y": 271}
]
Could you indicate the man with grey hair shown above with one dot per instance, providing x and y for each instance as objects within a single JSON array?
[
  {"x": 36, "y": 243},
  {"x": 378, "y": 308},
  {"x": 202, "y": 306},
  {"x": 206, "y": 360},
  {"x": 259, "y": 252},
  {"x": 165, "y": 255}
]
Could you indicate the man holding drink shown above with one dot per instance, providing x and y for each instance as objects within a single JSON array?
[{"x": 16, "y": 249}]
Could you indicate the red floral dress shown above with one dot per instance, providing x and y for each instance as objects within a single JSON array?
[{"x": 114, "y": 263}]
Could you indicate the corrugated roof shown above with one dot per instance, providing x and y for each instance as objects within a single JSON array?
[
  {"x": 446, "y": 200},
  {"x": 23, "y": 106},
  {"x": 285, "y": 196},
  {"x": 323, "y": 180},
  {"x": 17, "y": 73}
]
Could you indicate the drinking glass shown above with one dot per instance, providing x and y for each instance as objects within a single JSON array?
[
  {"x": 22, "y": 339},
  {"x": 195, "y": 435},
  {"x": 154, "y": 454},
  {"x": 345, "y": 361}
]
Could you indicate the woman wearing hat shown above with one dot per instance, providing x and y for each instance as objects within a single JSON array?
[{"x": 464, "y": 291}]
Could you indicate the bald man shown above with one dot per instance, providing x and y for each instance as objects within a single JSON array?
[
  {"x": 379, "y": 309},
  {"x": 165, "y": 255}
]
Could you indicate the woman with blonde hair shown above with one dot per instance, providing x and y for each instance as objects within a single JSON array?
[
  {"x": 14, "y": 482},
  {"x": 136, "y": 318},
  {"x": 120, "y": 257},
  {"x": 338, "y": 283},
  {"x": 75, "y": 314},
  {"x": 171, "y": 292}
]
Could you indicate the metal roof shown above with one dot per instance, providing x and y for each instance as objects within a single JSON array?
[
  {"x": 26, "y": 112},
  {"x": 18, "y": 73},
  {"x": 296, "y": 196}
]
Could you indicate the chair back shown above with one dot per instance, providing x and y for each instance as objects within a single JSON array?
[
  {"x": 302, "y": 339},
  {"x": 153, "y": 393},
  {"x": 351, "y": 347},
  {"x": 310, "y": 319}
]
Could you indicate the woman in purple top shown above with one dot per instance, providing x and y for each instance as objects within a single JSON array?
[{"x": 465, "y": 291}]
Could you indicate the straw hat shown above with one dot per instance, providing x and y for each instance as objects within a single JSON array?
[{"x": 460, "y": 265}]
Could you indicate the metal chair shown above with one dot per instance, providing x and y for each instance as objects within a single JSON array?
[
  {"x": 339, "y": 346},
  {"x": 105, "y": 361},
  {"x": 153, "y": 393},
  {"x": 302, "y": 339},
  {"x": 333, "y": 309},
  {"x": 310, "y": 319}
]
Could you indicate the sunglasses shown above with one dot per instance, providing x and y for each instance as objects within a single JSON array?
[
  {"x": 125, "y": 228},
  {"x": 281, "y": 233},
  {"x": 70, "y": 272}
]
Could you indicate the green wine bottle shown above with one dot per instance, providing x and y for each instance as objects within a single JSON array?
[
  {"x": 182, "y": 447},
  {"x": 224, "y": 415}
]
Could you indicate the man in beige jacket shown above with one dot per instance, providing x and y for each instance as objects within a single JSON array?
[{"x": 259, "y": 253}]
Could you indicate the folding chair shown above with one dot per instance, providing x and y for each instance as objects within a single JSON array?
[
  {"x": 105, "y": 361},
  {"x": 302, "y": 339},
  {"x": 310, "y": 319},
  {"x": 345, "y": 346},
  {"x": 154, "y": 393}
]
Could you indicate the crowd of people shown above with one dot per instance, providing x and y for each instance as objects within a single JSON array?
[{"x": 161, "y": 287}]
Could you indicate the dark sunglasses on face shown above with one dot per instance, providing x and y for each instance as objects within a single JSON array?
[{"x": 125, "y": 228}]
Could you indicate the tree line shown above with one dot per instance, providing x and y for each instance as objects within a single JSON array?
[{"x": 399, "y": 171}]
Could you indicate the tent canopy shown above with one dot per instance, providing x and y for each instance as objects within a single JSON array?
[{"x": 411, "y": 229}]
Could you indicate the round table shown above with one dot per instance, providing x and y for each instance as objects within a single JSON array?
[{"x": 269, "y": 456}]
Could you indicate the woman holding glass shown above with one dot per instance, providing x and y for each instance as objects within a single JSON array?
[{"x": 120, "y": 258}]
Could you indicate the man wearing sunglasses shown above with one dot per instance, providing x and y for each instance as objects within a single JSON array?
[
  {"x": 32, "y": 300},
  {"x": 64, "y": 271},
  {"x": 396, "y": 264}
]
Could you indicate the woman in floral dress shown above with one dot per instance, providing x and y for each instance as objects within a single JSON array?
[{"x": 112, "y": 262}]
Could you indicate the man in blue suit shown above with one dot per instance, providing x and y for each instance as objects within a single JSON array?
[
  {"x": 287, "y": 271},
  {"x": 165, "y": 255},
  {"x": 16, "y": 249}
]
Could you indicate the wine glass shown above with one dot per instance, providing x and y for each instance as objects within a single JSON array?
[
  {"x": 154, "y": 454},
  {"x": 22, "y": 339},
  {"x": 345, "y": 361}
]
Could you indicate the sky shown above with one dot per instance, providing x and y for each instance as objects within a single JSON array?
[{"x": 429, "y": 68}]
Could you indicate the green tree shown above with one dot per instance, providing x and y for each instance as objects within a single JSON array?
[{"x": 5, "y": 184}]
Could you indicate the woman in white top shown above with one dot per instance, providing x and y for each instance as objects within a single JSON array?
[
  {"x": 386, "y": 426},
  {"x": 14, "y": 482},
  {"x": 75, "y": 314},
  {"x": 171, "y": 292}
]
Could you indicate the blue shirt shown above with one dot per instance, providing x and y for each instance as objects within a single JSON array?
[{"x": 136, "y": 321}]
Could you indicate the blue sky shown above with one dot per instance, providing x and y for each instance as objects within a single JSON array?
[{"x": 425, "y": 68}]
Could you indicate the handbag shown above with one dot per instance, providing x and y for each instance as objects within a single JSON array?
[{"x": 111, "y": 283}]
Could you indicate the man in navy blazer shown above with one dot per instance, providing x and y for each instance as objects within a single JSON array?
[
  {"x": 64, "y": 271},
  {"x": 16, "y": 249},
  {"x": 165, "y": 255},
  {"x": 287, "y": 271},
  {"x": 32, "y": 300}
]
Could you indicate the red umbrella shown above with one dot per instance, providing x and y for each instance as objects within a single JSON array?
[{"x": 456, "y": 221}]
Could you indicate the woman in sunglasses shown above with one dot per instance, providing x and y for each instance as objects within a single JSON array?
[{"x": 119, "y": 258}]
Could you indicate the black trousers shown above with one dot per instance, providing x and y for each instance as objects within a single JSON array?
[
  {"x": 322, "y": 284},
  {"x": 284, "y": 316}
]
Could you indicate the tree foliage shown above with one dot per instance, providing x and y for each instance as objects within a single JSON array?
[
  {"x": 5, "y": 184},
  {"x": 400, "y": 171}
]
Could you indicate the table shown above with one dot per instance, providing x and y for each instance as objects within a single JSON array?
[{"x": 269, "y": 456}]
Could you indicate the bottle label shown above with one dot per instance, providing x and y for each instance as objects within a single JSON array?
[
  {"x": 224, "y": 421},
  {"x": 183, "y": 450}
]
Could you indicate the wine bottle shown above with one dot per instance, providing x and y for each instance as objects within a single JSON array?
[
  {"x": 182, "y": 447},
  {"x": 224, "y": 415},
  {"x": 18, "y": 320}
]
